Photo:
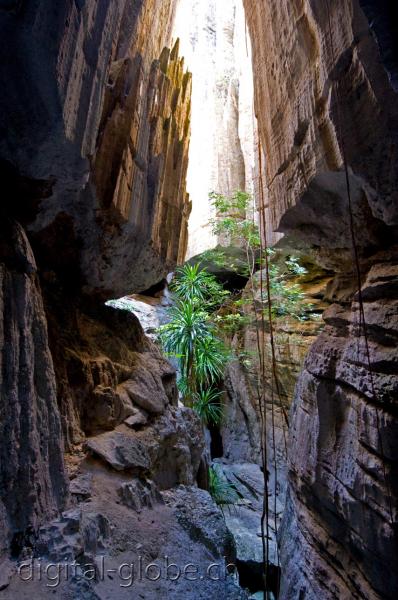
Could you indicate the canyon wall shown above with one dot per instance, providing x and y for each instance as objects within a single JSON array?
[
  {"x": 325, "y": 88},
  {"x": 95, "y": 128},
  {"x": 32, "y": 472},
  {"x": 217, "y": 51},
  {"x": 99, "y": 111}
]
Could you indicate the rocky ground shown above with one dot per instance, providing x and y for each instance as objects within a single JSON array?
[
  {"x": 240, "y": 462},
  {"x": 130, "y": 535}
]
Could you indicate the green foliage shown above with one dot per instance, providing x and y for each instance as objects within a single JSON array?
[
  {"x": 294, "y": 266},
  {"x": 231, "y": 322},
  {"x": 191, "y": 338},
  {"x": 232, "y": 218},
  {"x": 194, "y": 284},
  {"x": 184, "y": 387},
  {"x": 247, "y": 358},
  {"x": 210, "y": 358},
  {"x": 204, "y": 309},
  {"x": 190, "y": 334},
  {"x": 289, "y": 301},
  {"x": 187, "y": 325},
  {"x": 239, "y": 202},
  {"x": 239, "y": 229},
  {"x": 216, "y": 256},
  {"x": 208, "y": 406},
  {"x": 287, "y": 297},
  {"x": 222, "y": 492}
]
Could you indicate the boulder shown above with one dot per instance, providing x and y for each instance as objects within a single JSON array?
[
  {"x": 137, "y": 419},
  {"x": 139, "y": 494},
  {"x": 152, "y": 384},
  {"x": 80, "y": 486},
  {"x": 120, "y": 451}
]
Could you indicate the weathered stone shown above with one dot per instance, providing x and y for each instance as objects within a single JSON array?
[
  {"x": 297, "y": 113},
  {"x": 337, "y": 417},
  {"x": 120, "y": 451},
  {"x": 241, "y": 425},
  {"x": 197, "y": 513},
  {"x": 145, "y": 387},
  {"x": 240, "y": 428},
  {"x": 81, "y": 486},
  {"x": 111, "y": 126},
  {"x": 7, "y": 569},
  {"x": 174, "y": 443},
  {"x": 337, "y": 539},
  {"x": 32, "y": 474},
  {"x": 137, "y": 419},
  {"x": 172, "y": 533},
  {"x": 95, "y": 532},
  {"x": 78, "y": 532},
  {"x": 244, "y": 519},
  {"x": 106, "y": 408},
  {"x": 139, "y": 494},
  {"x": 94, "y": 365}
]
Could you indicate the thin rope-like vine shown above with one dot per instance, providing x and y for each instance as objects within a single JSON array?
[
  {"x": 263, "y": 440},
  {"x": 274, "y": 378}
]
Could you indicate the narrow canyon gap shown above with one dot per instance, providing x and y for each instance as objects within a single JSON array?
[{"x": 116, "y": 121}]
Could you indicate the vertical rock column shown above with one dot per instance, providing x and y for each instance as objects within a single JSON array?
[
  {"x": 338, "y": 539},
  {"x": 142, "y": 157},
  {"x": 32, "y": 475},
  {"x": 218, "y": 52}
]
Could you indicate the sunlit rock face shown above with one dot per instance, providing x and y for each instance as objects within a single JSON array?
[
  {"x": 217, "y": 51},
  {"x": 140, "y": 168},
  {"x": 241, "y": 426},
  {"x": 337, "y": 539},
  {"x": 101, "y": 113}
]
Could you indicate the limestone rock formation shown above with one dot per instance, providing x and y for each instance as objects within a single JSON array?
[
  {"x": 95, "y": 129},
  {"x": 139, "y": 494},
  {"x": 302, "y": 128},
  {"x": 94, "y": 140},
  {"x": 121, "y": 542},
  {"x": 244, "y": 523},
  {"x": 324, "y": 90},
  {"x": 141, "y": 164},
  {"x": 240, "y": 429},
  {"x": 343, "y": 447},
  {"x": 217, "y": 50},
  {"x": 33, "y": 483},
  {"x": 100, "y": 112}
]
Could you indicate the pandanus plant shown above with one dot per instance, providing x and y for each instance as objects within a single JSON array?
[{"x": 191, "y": 337}]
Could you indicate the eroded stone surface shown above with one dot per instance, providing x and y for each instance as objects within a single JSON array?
[
  {"x": 337, "y": 540},
  {"x": 336, "y": 417},
  {"x": 139, "y": 493},
  {"x": 33, "y": 482},
  {"x": 100, "y": 113},
  {"x": 121, "y": 451}
]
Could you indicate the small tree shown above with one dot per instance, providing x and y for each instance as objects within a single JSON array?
[
  {"x": 191, "y": 336},
  {"x": 236, "y": 219}
]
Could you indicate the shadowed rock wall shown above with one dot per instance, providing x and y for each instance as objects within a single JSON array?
[
  {"x": 337, "y": 539},
  {"x": 100, "y": 111},
  {"x": 32, "y": 474},
  {"x": 94, "y": 137}
]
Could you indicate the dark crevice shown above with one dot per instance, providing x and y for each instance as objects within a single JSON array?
[
  {"x": 216, "y": 443},
  {"x": 251, "y": 577},
  {"x": 155, "y": 289},
  {"x": 383, "y": 21}
]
